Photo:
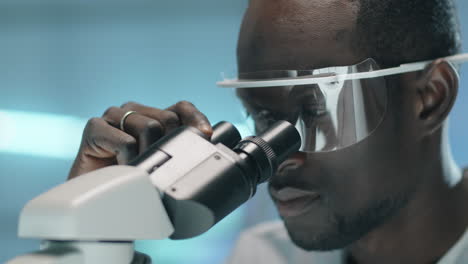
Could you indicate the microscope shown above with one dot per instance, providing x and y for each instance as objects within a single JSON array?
[{"x": 179, "y": 188}]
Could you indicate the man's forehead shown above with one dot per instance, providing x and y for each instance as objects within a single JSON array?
[
  {"x": 297, "y": 34},
  {"x": 298, "y": 11}
]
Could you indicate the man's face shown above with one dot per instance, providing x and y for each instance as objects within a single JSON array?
[{"x": 347, "y": 192}]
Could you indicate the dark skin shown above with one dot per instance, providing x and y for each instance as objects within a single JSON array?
[{"x": 395, "y": 197}]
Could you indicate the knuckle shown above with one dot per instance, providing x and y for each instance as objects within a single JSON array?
[
  {"x": 109, "y": 111},
  {"x": 153, "y": 127},
  {"x": 170, "y": 118},
  {"x": 129, "y": 105},
  {"x": 93, "y": 123},
  {"x": 91, "y": 136},
  {"x": 185, "y": 104}
]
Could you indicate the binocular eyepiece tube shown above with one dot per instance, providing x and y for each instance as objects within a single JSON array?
[{"x": 203, "y": 180}]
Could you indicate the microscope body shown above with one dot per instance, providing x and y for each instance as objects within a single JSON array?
[{"x": 182, "y": 186}]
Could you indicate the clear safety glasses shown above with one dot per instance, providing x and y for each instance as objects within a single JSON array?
[{"x": 332, "y": 108}]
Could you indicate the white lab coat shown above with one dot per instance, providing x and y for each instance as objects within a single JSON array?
[{"x": 269, "y": 243}]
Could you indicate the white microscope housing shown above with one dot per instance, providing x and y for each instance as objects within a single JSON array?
[{"x": 182, "y": 186}]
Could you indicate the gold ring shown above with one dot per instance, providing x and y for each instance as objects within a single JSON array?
[{"x": 124, "y": 117}]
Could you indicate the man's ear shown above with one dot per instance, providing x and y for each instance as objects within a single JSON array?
[{"x": 437, "y": 94}]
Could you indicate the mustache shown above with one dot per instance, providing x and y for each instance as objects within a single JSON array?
[{"x": 311, "y": 171}]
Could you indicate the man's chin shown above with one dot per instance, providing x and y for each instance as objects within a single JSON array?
[
  {"x": 317, "y": 240},
  {"x": 336, "y": 232}
]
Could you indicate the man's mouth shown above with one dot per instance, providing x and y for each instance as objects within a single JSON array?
[{"x": 292, "y": 201}]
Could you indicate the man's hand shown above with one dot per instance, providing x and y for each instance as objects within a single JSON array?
[{"x": 104, "y": 144}]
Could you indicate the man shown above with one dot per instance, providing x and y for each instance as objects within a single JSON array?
[{"x": 394, "y": 195}]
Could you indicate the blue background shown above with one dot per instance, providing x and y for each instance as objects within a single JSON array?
[{"x": 62, "y": 62}]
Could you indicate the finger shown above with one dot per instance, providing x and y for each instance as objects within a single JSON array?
[
  {"x": 168, "y": 119},
  {"x": 103, "y": 145},
  {"x": 191, "y": 116},
  {"x": 146, "y": 130},
  {"x": 102, "y": 140}
]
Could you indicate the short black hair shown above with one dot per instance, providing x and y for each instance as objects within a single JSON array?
[{"x": 401, "y": 31}]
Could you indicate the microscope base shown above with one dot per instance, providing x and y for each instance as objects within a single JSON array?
[{"x": 79, "y": 252}]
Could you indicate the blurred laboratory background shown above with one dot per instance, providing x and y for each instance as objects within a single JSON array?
[{"x": 62, "y": 62}]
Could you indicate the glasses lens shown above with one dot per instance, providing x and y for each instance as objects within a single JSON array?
[{"x": 329, "y": 115}]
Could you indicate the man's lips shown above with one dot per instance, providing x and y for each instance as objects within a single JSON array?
[{"x": 292, "y": 201}]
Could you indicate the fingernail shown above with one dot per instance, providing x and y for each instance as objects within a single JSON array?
[{"x": 206, "y": 128}]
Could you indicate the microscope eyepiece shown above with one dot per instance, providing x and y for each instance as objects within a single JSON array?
[
  {"x": 270, "y": 148},
  {"x": 226, "y": 134}
]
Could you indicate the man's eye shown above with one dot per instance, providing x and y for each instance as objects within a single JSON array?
[
  {"x": 264, "y": 115},
  {"x": 310, "y": 115},
  {"x": 263, "y": 120},
  {"x": 314, "y": 110}
]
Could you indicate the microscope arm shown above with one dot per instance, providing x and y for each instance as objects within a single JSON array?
[
  {"x": 95, "y": 218},
  {"x": 117, "y": 203}
]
